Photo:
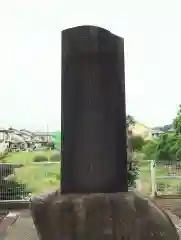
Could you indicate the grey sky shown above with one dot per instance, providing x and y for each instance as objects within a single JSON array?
[{"x": 30, "y": 51}]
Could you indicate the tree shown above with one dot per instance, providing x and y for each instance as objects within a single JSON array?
[
  {"x": 150, "y": 150},
  {"x": 137, "y": 142},
  {"x": 164, "y": 144},
  {"x": 177, "y": 122},
  {"x": 130, "y": 122},
  {"x": 166, "y": 147}
]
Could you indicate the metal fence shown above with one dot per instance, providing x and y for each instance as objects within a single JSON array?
[
  {"x": 169, "y": 188},
  {"x": 10, "y": 189},
  {"x": 21, "y": 181},
  {"x": 165, "y": 178}
]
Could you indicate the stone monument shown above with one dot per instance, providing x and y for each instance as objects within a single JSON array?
[
  {"x": 93, "y": 112},
  {"x": 93, "y": 202}
]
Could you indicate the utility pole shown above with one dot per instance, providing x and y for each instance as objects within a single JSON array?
[{"x": 47, "y": 132}]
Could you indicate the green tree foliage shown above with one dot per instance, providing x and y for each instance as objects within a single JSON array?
[
  {"x": 133, "y": 170},
  {"x": 168, "y": 145},
  {"x": 137, "y": 142},
  {"x": 177, "y": 121},
  {"x": 150, "y": 149},
  {"x": 130, "y": 121}
]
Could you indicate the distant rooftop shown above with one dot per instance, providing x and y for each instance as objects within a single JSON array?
[
  {"x": 163, "y": 129},
  {"x": 44, "y": 133},
  {"x": 157, "y": 131}
]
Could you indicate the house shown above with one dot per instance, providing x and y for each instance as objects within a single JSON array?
[
  {"x": 158, "y": 131},
  {"x": 44, "y": 136},
  {"x": 142, "y": 130}
]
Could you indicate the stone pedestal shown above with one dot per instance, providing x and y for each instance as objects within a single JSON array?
[{"x": 100, "y": 217}]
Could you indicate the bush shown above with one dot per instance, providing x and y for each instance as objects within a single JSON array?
[
  {"x": 40, "y": 159},
  {"x": 50, "y": 145},
  {"x": 137, "y": 157},
  {"x": 10, "y": 189},
  {"x": 17, "y": 165},
  {"x": 137, "y": 142},
  {"x": 133, "y": 175},
  {"x": 150, "y": 150},
  {"x": 5, "y": 170},
  {"x": 55, "y": 157}
]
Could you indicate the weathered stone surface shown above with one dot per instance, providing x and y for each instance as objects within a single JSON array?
[
  {"x": 93, "y": 112},
  {"x": 100, "y": 217}
]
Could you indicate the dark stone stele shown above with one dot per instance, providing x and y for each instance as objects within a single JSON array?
[{"x": 93, "y": 112}]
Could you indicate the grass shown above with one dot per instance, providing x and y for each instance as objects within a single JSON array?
[
  {"x": 24, "y": 157},
  {"x": 145, "y": 176},
  {"x": 38, "y": 177},
  {"x": 144, "y": 170}
]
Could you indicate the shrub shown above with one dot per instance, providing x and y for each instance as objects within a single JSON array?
[
  {"x": 137, "y": 157},
  {"x": 10, "y": 189},
  {"x": 40, "y": 159},
  {"x": 17, "y": 165},
  {"x": 55, "y": 157},
  {"x": 50, "y": 145},
  {"x": 137, "y": 142},
  {"x": 5, "y": 170},
  {"x": 133, "y": 175}
]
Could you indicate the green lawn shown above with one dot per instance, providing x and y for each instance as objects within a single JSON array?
[
  {"x": 38, "y": 177},
  {"x": 144, "y": 169},
  {"x": 24, "y": 157}
]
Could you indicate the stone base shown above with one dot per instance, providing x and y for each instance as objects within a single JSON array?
[{"x": 116, "y": 216}]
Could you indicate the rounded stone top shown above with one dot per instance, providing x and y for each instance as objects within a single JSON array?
[{"x": 90, "y": 39}]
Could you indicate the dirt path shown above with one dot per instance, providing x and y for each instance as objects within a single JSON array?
[
  {"x": 173, "y": 209},
  {"x": 172, "y": 205},
  {"x": 22, "y": 229}
]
